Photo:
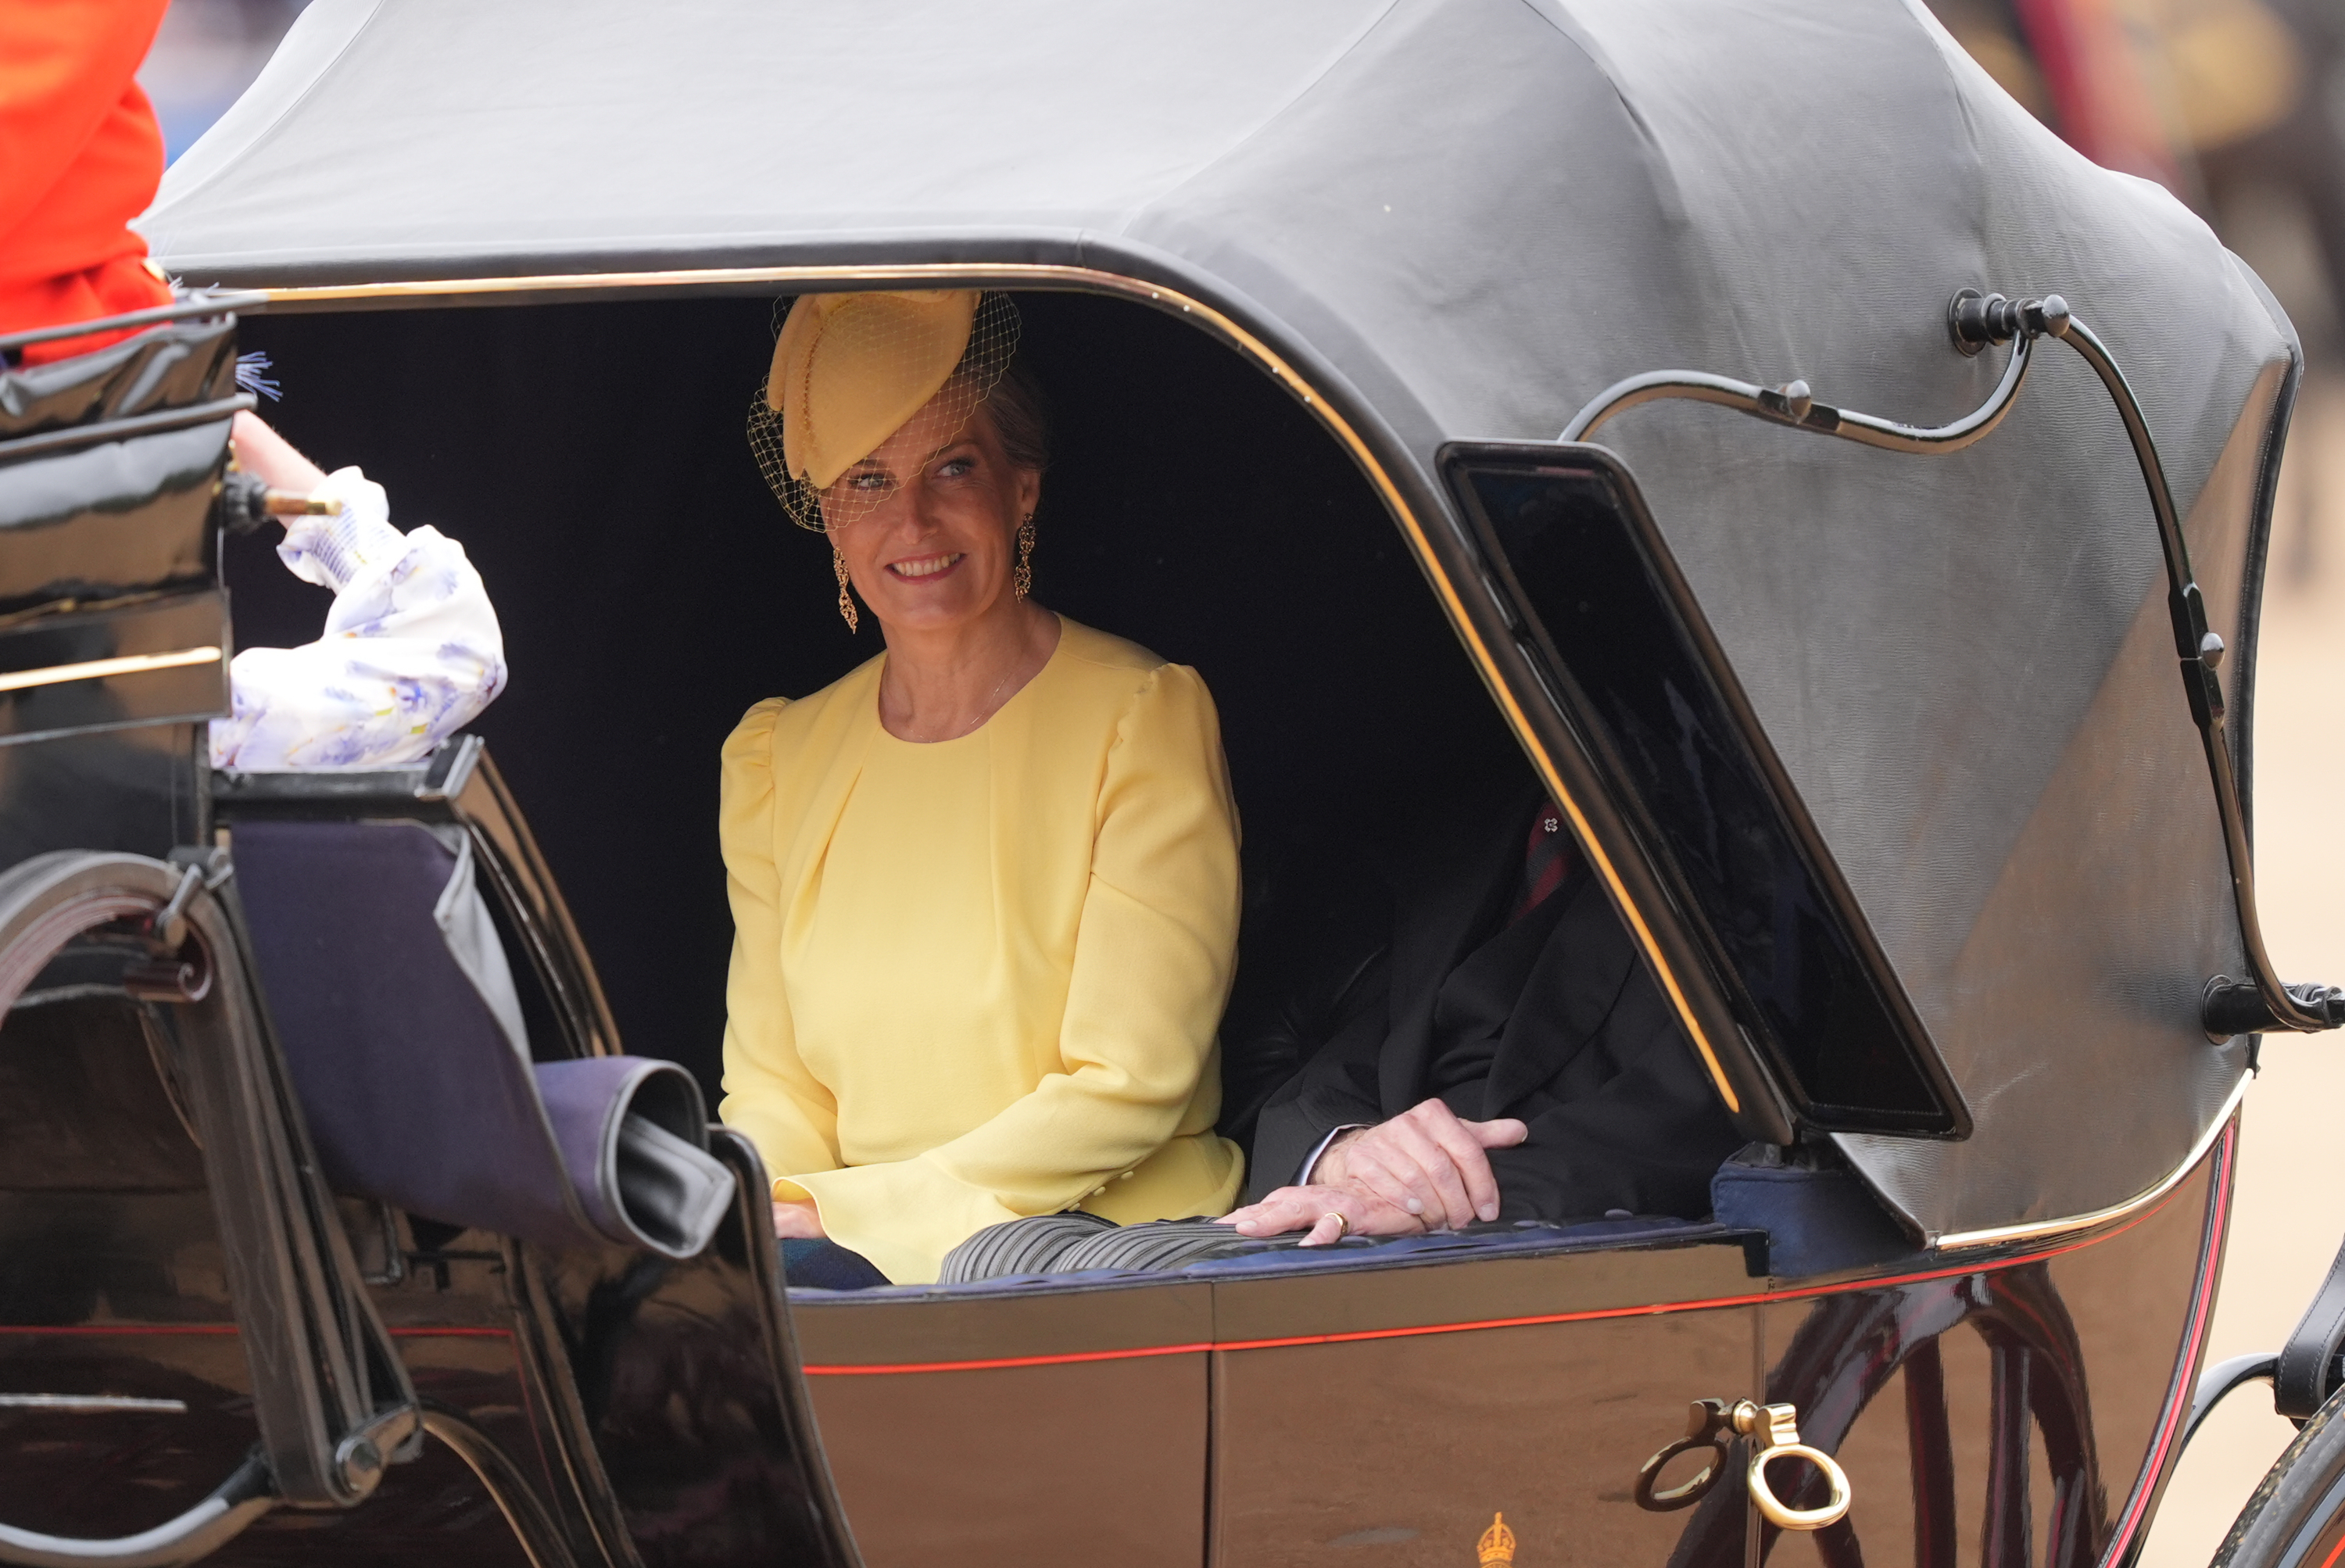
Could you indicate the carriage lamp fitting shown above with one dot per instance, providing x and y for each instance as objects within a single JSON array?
[
  {"x": 1975, "y": 319},
  {"x": 2236, "y": 1007}
]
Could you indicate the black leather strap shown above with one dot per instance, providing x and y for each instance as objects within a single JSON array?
[{"x": 2307, "y": 1373}]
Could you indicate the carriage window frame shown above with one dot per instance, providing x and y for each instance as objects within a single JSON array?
[{"x": 1712, "y": 709}]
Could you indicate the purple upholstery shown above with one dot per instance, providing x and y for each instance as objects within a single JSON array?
[{"x": 414, "y": 1092}]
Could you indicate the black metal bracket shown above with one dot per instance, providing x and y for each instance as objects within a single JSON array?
[
  {"x": 2234, "y": 1007},
  {"x": 2219, "y": 1383},
  {"x": 2305, "y": 1372},
  {"x": 1976, "y": 321}
]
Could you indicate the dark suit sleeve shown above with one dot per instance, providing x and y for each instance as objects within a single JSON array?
[
  {"x": 1337, "y": 1085},
  {"x": 1632, "y": 1123}
]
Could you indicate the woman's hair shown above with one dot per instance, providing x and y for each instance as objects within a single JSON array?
[{"x": 1020, "y": 413}]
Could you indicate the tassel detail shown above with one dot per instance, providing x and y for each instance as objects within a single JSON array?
[{"x": 252, "y": 375}]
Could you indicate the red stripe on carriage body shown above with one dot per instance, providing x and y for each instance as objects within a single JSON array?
[
  {"x": 2202, "y": 1306},
  {"x": 1756, "y": 1298},
  {"x": 2177, "y": 1398}
]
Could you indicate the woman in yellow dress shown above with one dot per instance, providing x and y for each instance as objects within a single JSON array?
[{"x": 985, "y": 887}]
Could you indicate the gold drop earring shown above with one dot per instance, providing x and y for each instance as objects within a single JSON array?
[
  {"x": 846, "y": 600},
  {"x": 1022, "y": 580}
]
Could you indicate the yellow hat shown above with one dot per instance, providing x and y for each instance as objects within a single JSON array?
[{"x": 849, "y": 369}]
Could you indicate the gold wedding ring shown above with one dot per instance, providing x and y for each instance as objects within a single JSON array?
[{"x": 1343, "y": 1226}]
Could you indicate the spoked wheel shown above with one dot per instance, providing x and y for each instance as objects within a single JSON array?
[{"x": 2296, "y": 1512}]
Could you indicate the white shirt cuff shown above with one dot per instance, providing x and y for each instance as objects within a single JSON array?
[{"x": 1303, "y": 1176}]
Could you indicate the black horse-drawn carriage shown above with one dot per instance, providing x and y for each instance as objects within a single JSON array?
[{"x": 316, "y": 1245}]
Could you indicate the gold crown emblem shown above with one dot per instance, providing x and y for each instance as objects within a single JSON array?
[{"x": 1497, "y": 1542}]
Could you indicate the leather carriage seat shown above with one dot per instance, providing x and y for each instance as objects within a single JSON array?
[{"x": 402, "y": 1024}]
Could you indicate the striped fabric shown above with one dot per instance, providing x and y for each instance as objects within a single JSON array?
[{"x": 1074, "y": 1242}]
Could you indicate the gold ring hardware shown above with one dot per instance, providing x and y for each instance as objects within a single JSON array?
[
  {"x": 1774, "y": 1432},
  {"x": 1775, "y": 1428},
  {"x": 1707, "y": 1426}
]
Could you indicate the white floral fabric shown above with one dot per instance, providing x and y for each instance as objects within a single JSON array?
[{"x": 411, "y": 651}]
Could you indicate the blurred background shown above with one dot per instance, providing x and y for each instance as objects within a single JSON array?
[
  {"x": 206, "y": 55},
  {"x": 2237, "y": 106}
]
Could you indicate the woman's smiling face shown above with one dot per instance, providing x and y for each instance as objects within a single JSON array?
[{"x": 940, "y": 547}]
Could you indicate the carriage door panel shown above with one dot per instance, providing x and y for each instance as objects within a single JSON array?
[
  {"x": 1393, "y": 1415},
  {"x": 1014, "y": 1429}
]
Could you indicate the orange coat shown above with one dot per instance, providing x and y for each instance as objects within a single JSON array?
[{"x": 80, "y": 155}]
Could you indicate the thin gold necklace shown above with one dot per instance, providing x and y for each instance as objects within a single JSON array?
[
  {"x": 992, "y": 706},
  {"x": 989, "y": 710}
]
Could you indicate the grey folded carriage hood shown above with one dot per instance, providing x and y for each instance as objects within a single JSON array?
[{"x": 1464, "y": 221}]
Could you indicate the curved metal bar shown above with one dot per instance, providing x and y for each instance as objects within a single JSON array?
[
  {"x": 2198, "y": 651},
  {"x": 1977, "y": 320},
  {"x": 197, "y": 303},
  {"x": 2220, "y": 1381},
  {"x": 210, "y": 1524},
  {"x": 1792, "y": 404},
  {"x": 525, "y": 1515},
  {"x": 2037, "y": 1229},
  {"x": 113, "y": 430}
]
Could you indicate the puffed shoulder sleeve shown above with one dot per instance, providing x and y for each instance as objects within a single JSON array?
[
  {"x": 1159, "y": 936},
  {"x": 768, "y": 1094}
]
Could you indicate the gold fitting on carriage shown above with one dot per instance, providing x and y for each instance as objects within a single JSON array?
[{"x": 1774, "y": 1433}]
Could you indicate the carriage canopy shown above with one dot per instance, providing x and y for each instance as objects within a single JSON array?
[{"x": 1460, "y": 222}]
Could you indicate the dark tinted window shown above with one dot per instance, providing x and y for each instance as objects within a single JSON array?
[{"x": 1630, "y": 654}]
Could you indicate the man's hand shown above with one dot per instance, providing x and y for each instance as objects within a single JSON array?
[
  {"x": 796, "y": 1221},
  {"x": 1424, "y": 1170},
  {"x": 1316, "y": 1209},
  {"x": 1425, "y": 1161}
]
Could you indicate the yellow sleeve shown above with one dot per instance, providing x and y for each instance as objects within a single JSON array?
[
  {"x": 1153, "y": 954},
  {"x": 768, "y": 1093}
]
